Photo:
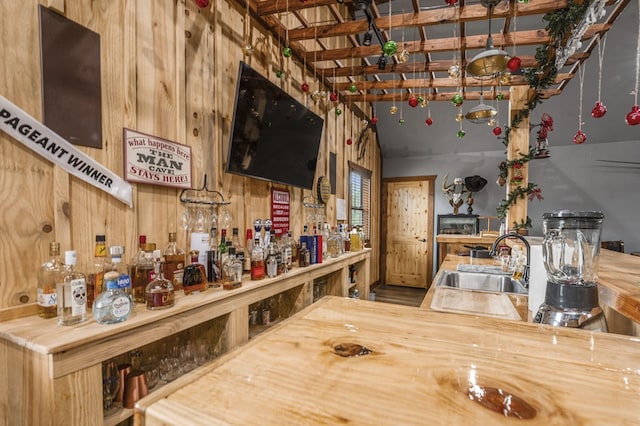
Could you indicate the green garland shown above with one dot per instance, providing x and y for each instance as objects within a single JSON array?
[{"x": 560, "y": 23}]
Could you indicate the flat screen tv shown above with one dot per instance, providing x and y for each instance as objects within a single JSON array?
[{"x": 273, "y": 136}]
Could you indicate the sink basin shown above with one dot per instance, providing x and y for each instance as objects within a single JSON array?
[{"x": 481, "y": 282}]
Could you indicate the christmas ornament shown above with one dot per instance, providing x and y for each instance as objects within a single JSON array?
[
  {"x": 428, "y": 121},
  {"x": 500, "y": 96},
  {"x": 393, "y": 109},
  {"x": 304, "y": 87},
  {"x": 451, "y": 2},
  {"x": 422, "y": 102},
  {"x": 461, "y": 133},
  {"x": 516, "y": 174},
  {"x": 248, "y": 49},
  {"x": 323, "y": 95},
  {"x": 202, "y": 3},
  {"x": 390, "y": 48},
  {"x": 491, "y": 122},
  {"x": 413, "y": 101},
  {"x": 599, "y": 110},
  {"x": 353, "y": 88},
  {"x": 459, "y": 117},
  {"x": 338, "y": 111},
  {"x": 315, "y": 95},
  {"x": 501, "y": 181},
  {"x": 497, "y": 130},
  {"x": 580, "y": 137},
  {"x": 401, "y": 121},
  {"x": 403, "y": 56},
  {"x": 279, "y": 73},
  {"x": 287, "y": 52},
  {"x": 374, "y": 120},
  {"x": 514, "y": 64},
  {"x": 633, "y": 117},
  {"x": 505, "y": 78},
  {"x": 349, "y": 141},
  {"x": 333, "y": 97},
  {"x": 454, "y": 72},
  {"x": 457, "y": 99}
]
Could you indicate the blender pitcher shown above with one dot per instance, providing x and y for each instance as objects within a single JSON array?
[{"x": 571, "y": 249}]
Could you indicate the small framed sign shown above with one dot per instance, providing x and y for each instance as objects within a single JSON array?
[
  {"x": 280, "y": 203},
  {"x": 156, "y": 161}
]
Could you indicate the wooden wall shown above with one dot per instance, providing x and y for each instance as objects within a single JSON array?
[{"x": 168, "y": 69}]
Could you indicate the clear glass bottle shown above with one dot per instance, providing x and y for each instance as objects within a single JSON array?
[
  {"x": 114, "y": 304},
  {"x": 334, "y": 244},
  {"x": 258, "y": 268},
  {"x": 346, "y": 240},
  {"x": 272, "y": 260},
  {"x": 174, "y": 258},
  {"x": 241, "y": 253},
  {"x": 95, "y": 282},
  {"x": 72, "y": 292},
  {"x": 249, "y": 248},
  {"x": 159, "y": 293},
  {"x": 143, "y": 273},
  {"x": 47, "y": 283},
  {"x": 233, "y": 271},
  {"x": 195, "y": 275},
  {"x": 223, "y": 252},
  {"x": 287, "y": 251},
  {"x": 114, "y": 263},
  {"x": 214, "y": 273}
]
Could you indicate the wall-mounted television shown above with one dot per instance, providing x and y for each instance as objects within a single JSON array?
[{"x": 273, "y": 136}]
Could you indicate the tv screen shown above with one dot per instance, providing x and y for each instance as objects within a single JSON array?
[{"x": 273, "y": 136}]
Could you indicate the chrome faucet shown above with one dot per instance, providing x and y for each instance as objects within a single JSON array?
[{"x": 496, "y": 243}]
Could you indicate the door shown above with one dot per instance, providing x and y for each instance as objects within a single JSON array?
[{"x": 408, "y": 230}]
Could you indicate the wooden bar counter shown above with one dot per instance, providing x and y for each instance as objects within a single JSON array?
[{"x": 411, "y": 366}]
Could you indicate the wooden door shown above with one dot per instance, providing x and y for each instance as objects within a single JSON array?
[{"x": 408, "y": 230}]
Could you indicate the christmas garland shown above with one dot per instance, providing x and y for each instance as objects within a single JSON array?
[{"x": 559, "y": 25}]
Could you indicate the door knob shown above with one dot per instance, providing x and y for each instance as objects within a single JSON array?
[{"x": 423, "y": 240}]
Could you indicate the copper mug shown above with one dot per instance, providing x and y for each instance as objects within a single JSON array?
[
  {"x": 135, "y": 389},
  {"x": 123, "y": 372}
]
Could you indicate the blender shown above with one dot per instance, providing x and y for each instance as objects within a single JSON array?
[{"x": 570, "y": 250}]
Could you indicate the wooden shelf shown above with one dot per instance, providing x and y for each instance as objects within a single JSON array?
[{"x": 61, "y": 367}]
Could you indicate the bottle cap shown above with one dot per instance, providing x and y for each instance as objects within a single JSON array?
[
  {"x": 116, "y": 250},
  {"x": 232, "y": 251},
  {"x": 54, "y": 248},
  {"x": 172, "y": 237},
  {"x": 142, "y": 239},
  {"x": 70, "y": 257},
  {"x": 249, "y": 234},
  {"x": 100, "y": 239},
  {"x": 235, "y": 231}
]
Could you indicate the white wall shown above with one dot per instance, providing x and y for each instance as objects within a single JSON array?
[{"x": 571, "y": 178}]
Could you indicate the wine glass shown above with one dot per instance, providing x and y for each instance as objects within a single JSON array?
[{"x": 110, "y": 387}]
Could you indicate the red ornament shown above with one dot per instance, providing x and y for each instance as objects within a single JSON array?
[
  {"x": 514, "y": 64},
  {"x": 633, "y": 117},
  {"x": 413, "y": 102},
  {"x": 349, "y": 141},
  {"x": 333, "y": 97},
  {"x": 547, "y": 121},
  {"x": 374, "y": 120},
  {"x": 451, "y": 2},
  {"x": 497, "y": 130},
  {"x": 202, "y": 3},
  {"x": 580, "y": 137},
  {"x": 428, "y": 121},
  {"x": 599, "y": 110},
  {"x": 304, "y": 87}
]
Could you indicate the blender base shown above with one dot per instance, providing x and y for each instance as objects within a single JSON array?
[{"x": 574, "y": 306}]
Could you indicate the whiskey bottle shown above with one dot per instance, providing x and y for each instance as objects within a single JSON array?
[
  {"x": 214, "y": 273},
  {"x": 114, "y": 304},
  {"x": 233, "y": 271},
  {"x": 135, "y": 259},
  {"x": 249, "y": 248},
  {"x": 257, "y": 261},
  {"x": 174, "y": 259},
  {"x": 143, "y": 273},
  {"x": 94, "y": 276},
  {"x": 223, "y": 252},
  {"x": 159, "y": 293},
  {"x": 47, "y": 279},
  {"x": 195, "y": 275},
  {"x": 72, "y": 292},
  {"x": 304, "y": 257},
  {"x": 241, "y": 253}
]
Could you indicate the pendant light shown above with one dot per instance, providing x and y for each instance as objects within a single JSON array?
[
  {"x": 491, "y": 61},
  {"x": 481, "y": 113}
]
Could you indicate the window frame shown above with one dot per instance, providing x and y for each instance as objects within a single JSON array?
[{"x": 365, "y": 175}]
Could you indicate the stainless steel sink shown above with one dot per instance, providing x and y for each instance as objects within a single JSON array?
[{"x": 481, "y": 282}]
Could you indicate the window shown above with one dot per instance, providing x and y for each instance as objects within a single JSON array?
[{"x": 359, "y": 198}]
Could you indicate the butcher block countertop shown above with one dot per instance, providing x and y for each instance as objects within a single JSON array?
[
  {"x": 408, "y": 366},
  {"x": 618, "y": 283}
]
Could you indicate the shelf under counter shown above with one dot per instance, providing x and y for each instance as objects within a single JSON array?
[{"x": 58, "y": 368}]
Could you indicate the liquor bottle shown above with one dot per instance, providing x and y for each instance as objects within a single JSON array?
[
  {"x": 272, "y": 260},
  {"x": 346, "y": 240},
  {"x": 173, "y": 263},
  {"x": 326, "y": 233},
  {"x": 334, "y": 243},
  {"x": 94, "y": 276},
  {"x": 114, "y": 304},
  {"x": 267, "y": 232},
  {"x": 356, "y": 244},
  {"x": 258, "y": 268},
  {"x": 47, "y": 282},
  {"x": 143, "y": 273},
  {"x": 139, "y": 254},
  {"x": 159, "y": 293},
  {"x": 214, "y": 273},
  {"x": 233, "y": 271},
  {"x": 195, "y": 275},
  {"x": 223, "y": 253},
  {"x": 304, "y": 238},
  {"x": 114, "y": 263},
  {"x": 294, "y": 249},
  {"x": 249, "y": 248},
  {"x": 236, "y": 244},
  {"x": 72, "y": 292},
  {"x": 287, "y": 252},
  {"x": 304, "y": 257}
]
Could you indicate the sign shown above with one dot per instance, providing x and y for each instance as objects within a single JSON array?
[
  {"x": 280, "y": 202},
  {"x": 156, "y": 161},
  {"x": 53, "y": 147}
]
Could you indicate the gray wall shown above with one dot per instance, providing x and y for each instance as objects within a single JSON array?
[{"x": 571, "y": 178}]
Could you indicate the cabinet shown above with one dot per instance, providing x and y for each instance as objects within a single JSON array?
[
  {"x": 455, "y": 244},
  {"x": 53, "y": 374}
]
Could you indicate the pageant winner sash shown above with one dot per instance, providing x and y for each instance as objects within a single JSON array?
[{"x": 48, "y": 144}]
